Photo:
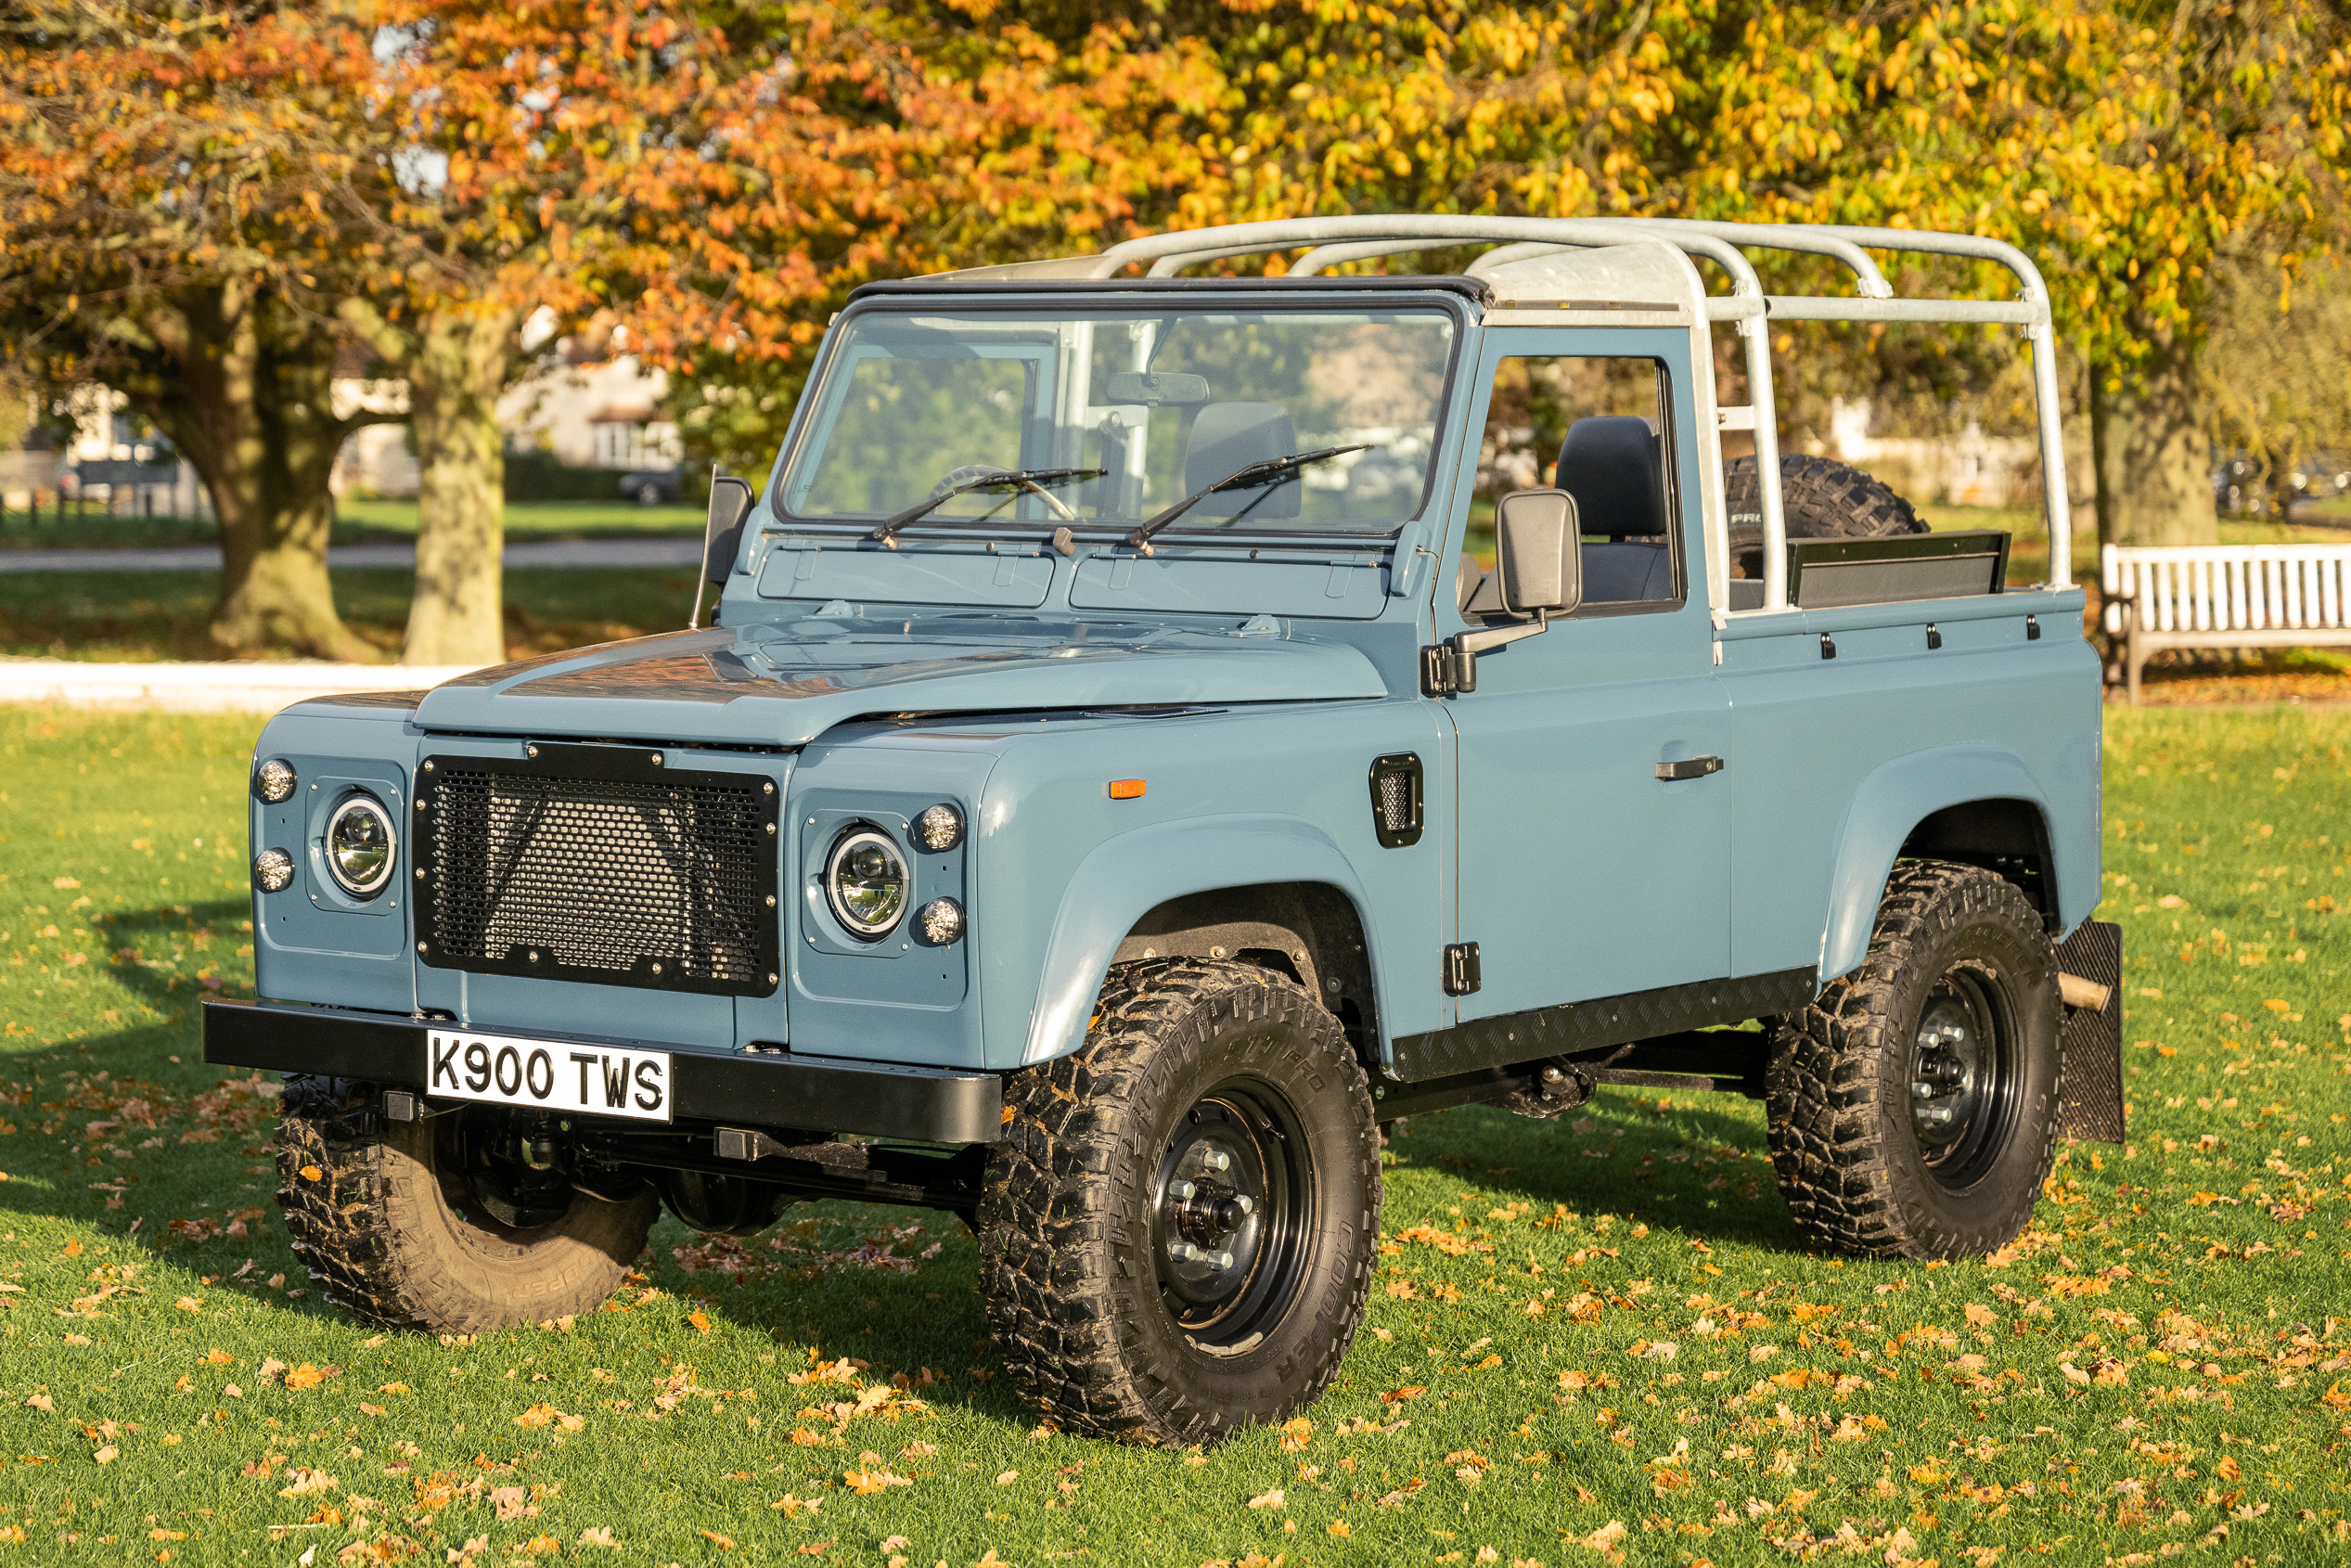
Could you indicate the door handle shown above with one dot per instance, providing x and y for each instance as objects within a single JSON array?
[{"x": 1692, "y": 768}]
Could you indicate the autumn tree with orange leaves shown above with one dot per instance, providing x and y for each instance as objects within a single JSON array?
[{"x": 160, "y": 231}]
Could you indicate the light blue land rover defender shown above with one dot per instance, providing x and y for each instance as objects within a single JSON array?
[{"x": 1109, "y": 789}]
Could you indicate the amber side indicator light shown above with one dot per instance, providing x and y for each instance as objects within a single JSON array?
[{"x": 1127, "y": 788}]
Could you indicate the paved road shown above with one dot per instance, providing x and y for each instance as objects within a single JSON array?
[{"x": 204, "y": 557}]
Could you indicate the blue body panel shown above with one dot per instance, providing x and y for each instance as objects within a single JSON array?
[{"x": 1251, "y": 689}]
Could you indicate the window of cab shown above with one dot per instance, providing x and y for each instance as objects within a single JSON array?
[{"x": 1153, "y": 406}]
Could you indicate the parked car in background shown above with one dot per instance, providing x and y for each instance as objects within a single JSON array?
[
  {"x": 653, "y": 487},
  {"x": 2245, "y": 485}
]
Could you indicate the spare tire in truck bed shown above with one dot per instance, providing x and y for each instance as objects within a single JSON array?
[{"x": 1822, "y": 499}]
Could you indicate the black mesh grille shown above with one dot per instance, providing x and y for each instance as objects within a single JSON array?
[
  {"x": 666, "y": 881},
  {"x": 1395, "y": 802}
]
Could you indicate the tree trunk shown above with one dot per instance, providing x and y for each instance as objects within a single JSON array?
[
  {"x": 2153, "y": 457},
  {"x": 456, "y": 368},
  {"x": 247, "y": 394}
]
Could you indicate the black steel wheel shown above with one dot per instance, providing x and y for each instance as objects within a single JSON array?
[
  {"x": 1181, "y": 1224},
  {"x": 1230, "y": 1232},
  {"x": 1914, "y": 1105},
  {"x": 1965, "y": 1078}
]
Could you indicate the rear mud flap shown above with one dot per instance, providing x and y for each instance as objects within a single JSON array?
[{"x": 2091, "y": 1106}]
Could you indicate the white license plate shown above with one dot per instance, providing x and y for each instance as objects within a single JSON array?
[{"x": 557, "y": 1076}]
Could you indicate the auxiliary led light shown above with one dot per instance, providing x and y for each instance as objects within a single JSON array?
[{"x": 942, "y": 922}]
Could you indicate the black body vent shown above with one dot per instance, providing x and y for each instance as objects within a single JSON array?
[
  {"x": 597, "y": 863},
  {"x": 1395, "y": 799}
]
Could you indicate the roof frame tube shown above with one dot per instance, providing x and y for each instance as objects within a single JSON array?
[
  {"x": 1325, "y": 256},
  {"x": 1806, "y": 239},
  {"x": 2056, "y": 504}
]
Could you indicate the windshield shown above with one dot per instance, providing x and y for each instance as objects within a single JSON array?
[{"x": 1166, "y": 403}]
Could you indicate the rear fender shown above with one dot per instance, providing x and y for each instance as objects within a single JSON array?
[
  {"x": 1891, "y": 802},
  {"x": 1126, "y": 878}
]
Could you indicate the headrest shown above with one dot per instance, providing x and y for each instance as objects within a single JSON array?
[
  {"x": 1614, "y": 466},
  {"x": 1228, "y": 436}
]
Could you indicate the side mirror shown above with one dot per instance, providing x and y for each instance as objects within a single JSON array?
[
  {"x": 730, "y": 503},
  {"x": 1541, "y": 560},
  {"x": 1540, "y": 552}
]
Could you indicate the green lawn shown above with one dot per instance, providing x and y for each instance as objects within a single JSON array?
[
  {"x": 117, "y": 616},
  {"x": 1592, "y": 1342},
  {"x": 356, "y": 522}
]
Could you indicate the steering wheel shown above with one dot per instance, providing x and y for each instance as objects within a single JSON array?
[{"x": 971, "y": 472}]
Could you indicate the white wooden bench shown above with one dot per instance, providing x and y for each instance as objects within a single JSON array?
[{"x": 2224, "y": 595}]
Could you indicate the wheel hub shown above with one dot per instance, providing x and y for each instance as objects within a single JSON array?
[
  {"x": 1213, "y": 1192},
  {"x": 1944, "y": 1085}
]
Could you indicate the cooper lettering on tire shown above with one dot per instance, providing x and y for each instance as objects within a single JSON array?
[
  {"x": 443, "y": 1221},
  {"x": 1176, "y": 1235},
  {"x": 1914, "y": 1105}
]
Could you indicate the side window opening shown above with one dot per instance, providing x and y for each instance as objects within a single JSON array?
[{"x": 1596, "y": 427}]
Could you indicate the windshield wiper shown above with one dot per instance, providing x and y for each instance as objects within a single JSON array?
[
  {"x": 1141, "y": 537},
  {"x": 1029, "y": 479}
]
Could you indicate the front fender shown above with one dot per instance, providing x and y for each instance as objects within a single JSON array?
[
  {"x": 1889, "y": 802},
  {"x": 1124, "y": 878}
]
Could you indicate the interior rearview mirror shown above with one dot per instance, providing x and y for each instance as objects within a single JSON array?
[
  {"x": 1157, "y": 388},
  {"x": 1540, "y": 552},
  {"x": 730, "y": 503}
]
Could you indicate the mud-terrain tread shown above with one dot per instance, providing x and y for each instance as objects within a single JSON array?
[
  {"x": 373, "y": 1229},
  {"x": 1825, "y": 1095},
  {"x": 1820, "y": 497},
  {"x": 1042, "y": 1266}
]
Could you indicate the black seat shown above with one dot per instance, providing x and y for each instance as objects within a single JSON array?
[
  {"x": 1614, "y": 466},
  {"x": 1226, "y": 436}
]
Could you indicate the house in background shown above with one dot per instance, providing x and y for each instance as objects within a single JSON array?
[
  {"x": 586, "y": 403},
  {"x": 1967, "y": 469}
]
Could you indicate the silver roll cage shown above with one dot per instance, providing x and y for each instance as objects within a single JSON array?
[{"x": 1336, "y": 241}]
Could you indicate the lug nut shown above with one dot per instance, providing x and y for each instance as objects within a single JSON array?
[
  {"x": 1183, "y": 1251},
  {"x": 1217, "y": 1159},
  {"x": 1180, "y": 1189},
  {"x": 1223, "y": 1260},
  {"x": 1245, "y": 1204}
]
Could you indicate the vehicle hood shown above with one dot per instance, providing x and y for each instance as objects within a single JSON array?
[{"x": 784, "y": 684}]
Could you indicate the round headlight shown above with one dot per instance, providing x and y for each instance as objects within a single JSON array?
[
  {"x": 272, "y": 870},
  {"x": 940, "y": 829},
  {"x": 359, "y": 847},
  {"x": 867, "y": 881},
  {"x": 942, "y": 922},
  {"x": 274, "y": 780}
]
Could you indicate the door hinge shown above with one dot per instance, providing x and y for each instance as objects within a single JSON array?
[
  {"x": 1446, "y": 670},
  {"x": 1461, "y": 975}
]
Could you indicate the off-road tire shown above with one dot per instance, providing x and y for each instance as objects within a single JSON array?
[
  {"x": 1854, "y": 1167},
  {"x": 1072, "y": 1274},
  {"x": 1821, "y": 498},
  {"x": 372, "y": 1217}
]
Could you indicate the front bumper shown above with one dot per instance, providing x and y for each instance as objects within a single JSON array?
[{"x": 921, "y": 1103}]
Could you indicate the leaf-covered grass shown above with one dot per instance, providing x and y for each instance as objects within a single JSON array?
[
  {"x": 112, "y": 617},
  {"x": 356, "y": 522},
  {"x": 1593, "y": 1341}
]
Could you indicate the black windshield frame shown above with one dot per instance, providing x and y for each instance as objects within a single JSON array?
[{"x": 1070, "y": 300}]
